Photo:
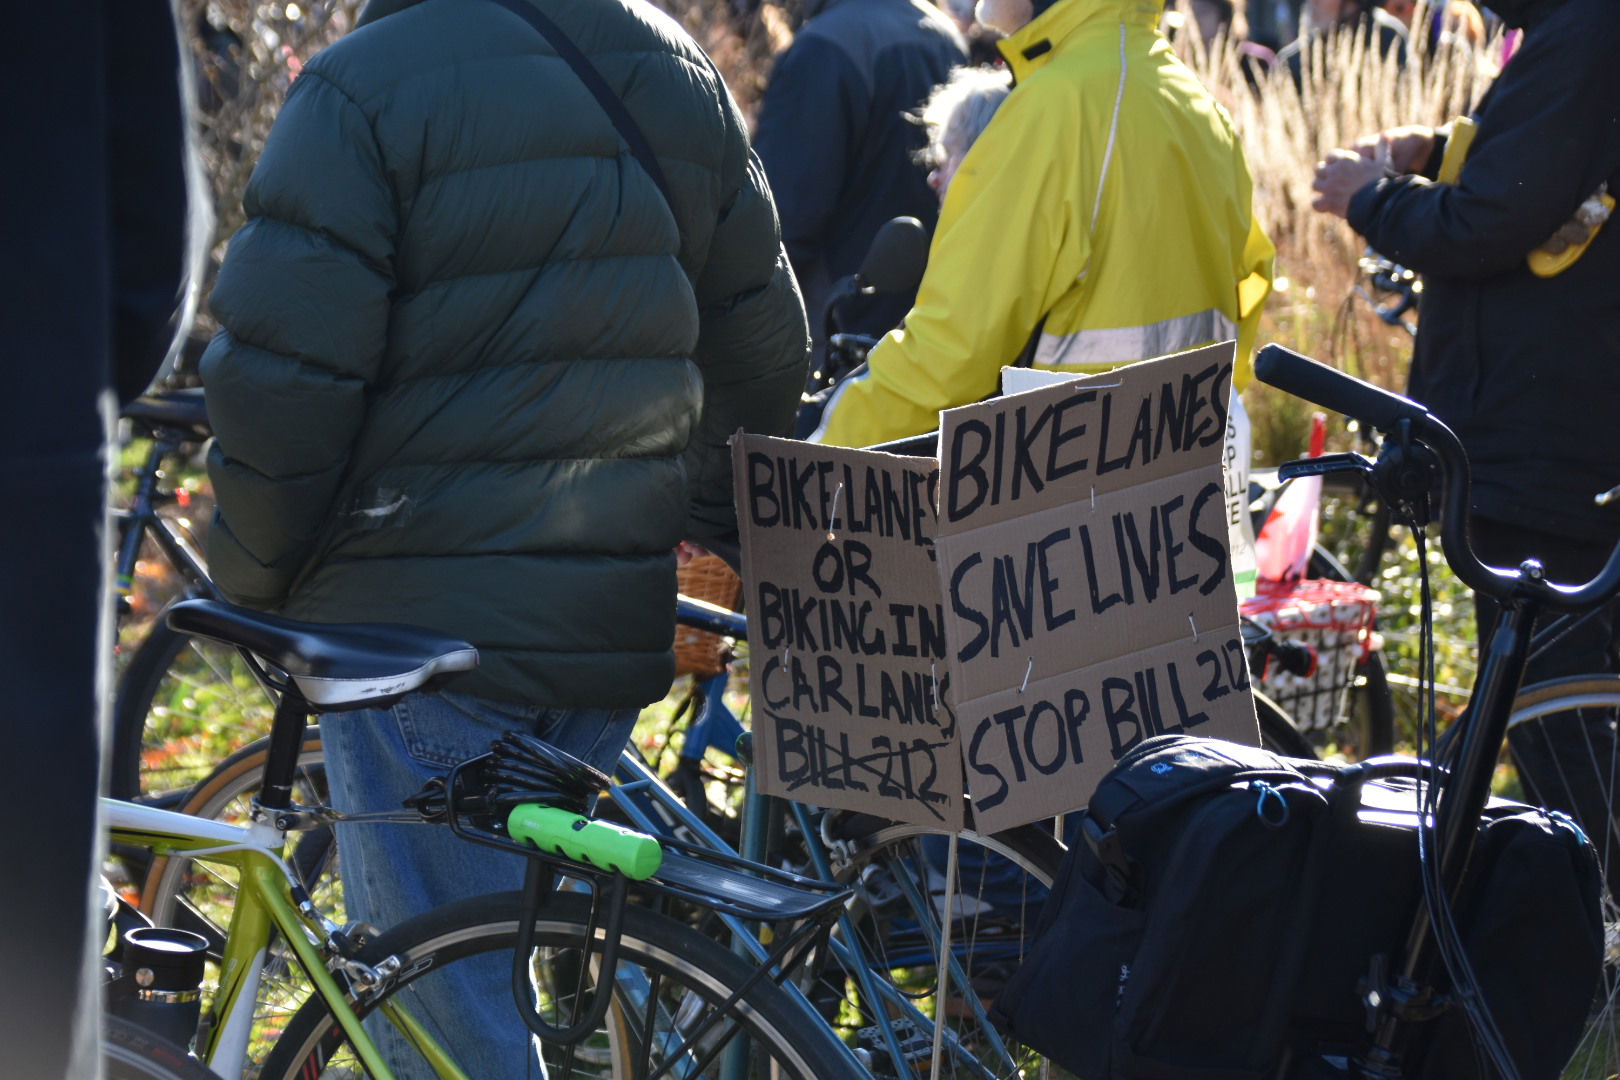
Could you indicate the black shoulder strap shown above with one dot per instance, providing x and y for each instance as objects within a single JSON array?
[{"x": 576, "y": 59}]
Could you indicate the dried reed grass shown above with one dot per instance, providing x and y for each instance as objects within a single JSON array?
[{"x": 1348, "y": 90}]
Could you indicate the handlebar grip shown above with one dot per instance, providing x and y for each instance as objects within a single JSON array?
[{"x": 1333, "y": 389}]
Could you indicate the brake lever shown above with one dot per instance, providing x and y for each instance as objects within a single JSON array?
[
  {"x": 1407, "y": 474},
  {"x": 1322, "y": 466}
]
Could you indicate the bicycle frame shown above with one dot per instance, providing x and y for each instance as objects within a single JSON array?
[
  {"x": 654, "y": 808},
  {"x": 265, "y": 904},
  {"x": 1419, "y": 456},
  {"x": 141, "y": 520}
]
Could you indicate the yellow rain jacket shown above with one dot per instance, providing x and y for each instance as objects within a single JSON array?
[{"x": 1106, "y": 210}]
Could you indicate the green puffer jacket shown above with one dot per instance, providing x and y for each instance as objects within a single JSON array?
[{"x": 473, "y": 373}]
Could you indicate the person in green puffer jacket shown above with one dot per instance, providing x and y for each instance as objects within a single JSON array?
[{"x": 477, "y": 373}]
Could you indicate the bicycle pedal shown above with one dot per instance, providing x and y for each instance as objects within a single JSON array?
[{"x": 915, "y": 1044}]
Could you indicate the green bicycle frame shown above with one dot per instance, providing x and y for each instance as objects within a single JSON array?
[{"x": 263, "y": 905}]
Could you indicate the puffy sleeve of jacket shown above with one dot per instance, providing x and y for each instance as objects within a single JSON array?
[
  {"x": 1540, "y": 149},
  {"x": 753, "y": 343},
  {"x": 302, "y": 301},
  {"x": 1011, "y": 239}
]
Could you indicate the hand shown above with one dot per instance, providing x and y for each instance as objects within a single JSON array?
[
  {"x": 1339, "y": 176},
  {"x": 1403, "y": 149},
  {"x": 686, "y": 551}
]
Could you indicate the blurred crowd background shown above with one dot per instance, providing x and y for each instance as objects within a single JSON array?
[{"x": 1340, "y": 85}]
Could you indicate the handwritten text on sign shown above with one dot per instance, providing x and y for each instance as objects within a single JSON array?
[
  {"x": 1088, "y": 593},
  {"x": 846, "y": 630}
]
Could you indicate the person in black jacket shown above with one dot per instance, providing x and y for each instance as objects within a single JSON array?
[
  {"x": 94, "y": 212},
  {"x": 1522, "y": 359},
  {"x": 839, "y": 141}
]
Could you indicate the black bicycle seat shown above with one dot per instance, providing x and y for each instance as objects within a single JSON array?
[
  {"x": 182, "y": 410},
  {"x": 335, "y": 666}
]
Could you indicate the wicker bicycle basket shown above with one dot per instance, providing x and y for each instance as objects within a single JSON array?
[{"x": 699, "y": 652}]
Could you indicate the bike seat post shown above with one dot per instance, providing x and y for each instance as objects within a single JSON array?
[{"x": 286, "y": 742}]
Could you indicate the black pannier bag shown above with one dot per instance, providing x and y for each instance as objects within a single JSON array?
[{"x": 1221, "y": 915}]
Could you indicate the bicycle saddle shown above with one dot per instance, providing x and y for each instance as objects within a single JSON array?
[
  {"x": 182, "y": 409},
  {"x": 335, "y": 666}
]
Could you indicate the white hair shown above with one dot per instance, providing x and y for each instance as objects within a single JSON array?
[{"x": 959, "y": 109}]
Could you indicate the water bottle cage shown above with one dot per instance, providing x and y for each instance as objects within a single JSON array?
[{"x": 120, "y": 986}]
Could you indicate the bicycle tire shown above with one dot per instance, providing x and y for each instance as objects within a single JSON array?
[
  {"x": 781, "y": 1035},
  {"x": 1277, "y": 731},
  {"x": 182, "y": 705},
  {"x": 130, "y": 1052},
  {"x": 899, "y": 876},
  {"x": 137, "y": 686},
  {"x": 1587, "y": 705},
  {"x": 1372, "y": 707}
]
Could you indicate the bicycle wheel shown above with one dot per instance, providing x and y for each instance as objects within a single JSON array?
[
  {"x": 1277, "y": 731},
  {"x": 183, "y": 705},
  {"x": 669, "y": 982},
  {"x": 900, "y": 876},
  {"x": 1372, "y": 708},
  {"x": 130, "y": 1052},
  {"x": 1562, "y": 736}
]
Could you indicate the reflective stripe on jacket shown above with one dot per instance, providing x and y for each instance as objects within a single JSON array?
[{"x": 1107, "y": 204}]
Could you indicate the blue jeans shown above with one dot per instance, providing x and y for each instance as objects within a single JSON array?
[{"x": 375, "y": 759}]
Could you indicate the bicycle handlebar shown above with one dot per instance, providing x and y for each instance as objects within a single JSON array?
[
  {"x": 1398, "y": 417},
  {"x": 1333, "y": 389},
  {"x": 702, "y": 615}
]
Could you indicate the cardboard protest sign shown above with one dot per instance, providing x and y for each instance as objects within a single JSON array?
[
  {"x": 1235, "y": 460},
  {"x": 846, "y": 630},
  {"x": 1089, "y": 603}
]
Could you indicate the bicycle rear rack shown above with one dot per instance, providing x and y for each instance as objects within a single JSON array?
[{"x": 801, "y": 910}]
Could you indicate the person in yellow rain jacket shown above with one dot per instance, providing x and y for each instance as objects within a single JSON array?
[{"x": 1103, "y": 217}]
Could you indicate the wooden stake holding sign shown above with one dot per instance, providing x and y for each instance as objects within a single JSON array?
[{"x": 1072, "y": 598}]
